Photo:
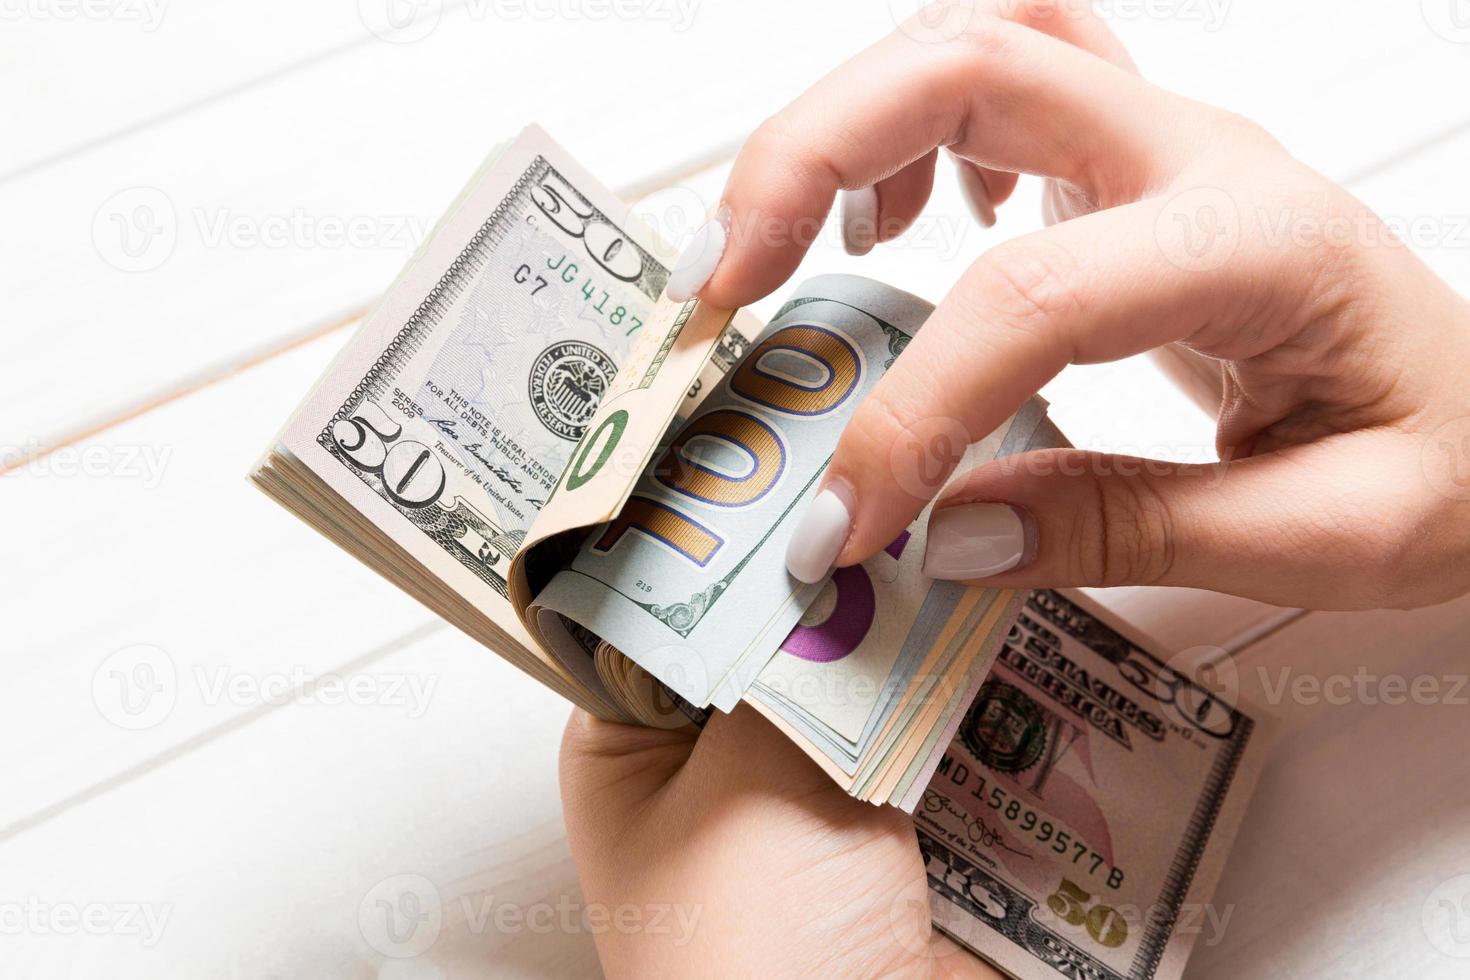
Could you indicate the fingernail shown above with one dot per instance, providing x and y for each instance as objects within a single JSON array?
[
  {"x": 973, "y": 541},
  {"x": 700, "y": 257},
  {"x": 1050, "y": 214},
  {"x": 860, "y": 220},
  {"x": 819, "y": 536},
  {"x": 976, "y": 193}
]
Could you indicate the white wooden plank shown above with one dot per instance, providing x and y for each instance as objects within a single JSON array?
[
  {"x": 1343, "y": 87},
  {"x": 90, "y": 785},
  {"x": 267, "y": 853},
  {"x": 183, "y": 556},
  {"x": 150, "y": 535},
  {"x": 251, "y": 198},
  {"x": 382, "y": 135},
  {"x": 79, "y": 73},
  {"x": 1425, "y": 201},
  {"x": 1357, "y": 831}
]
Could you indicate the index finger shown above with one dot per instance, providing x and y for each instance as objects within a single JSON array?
[{"x": 999, "y": 94}]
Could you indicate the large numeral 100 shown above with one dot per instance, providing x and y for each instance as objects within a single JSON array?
[{"x": 801, "y": 372}]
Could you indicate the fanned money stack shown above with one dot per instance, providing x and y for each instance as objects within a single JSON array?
[
  {"x": 1082, "y": 816},
  {"x": 599, "y": 485}
]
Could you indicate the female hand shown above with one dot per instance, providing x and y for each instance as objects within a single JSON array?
[
  {"x": 734, "y": 855},
  {"x": 1334, "y": 360}
]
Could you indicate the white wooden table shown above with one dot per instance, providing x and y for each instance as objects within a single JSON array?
[{"x": 228, "y": 750}]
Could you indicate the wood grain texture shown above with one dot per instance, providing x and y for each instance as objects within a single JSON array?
[{"x": 275, "y": 829}]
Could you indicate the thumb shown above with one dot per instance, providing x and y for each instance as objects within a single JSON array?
[
  {"x": 609, "y": 770},
  {"x": 1307, "y": 526}
]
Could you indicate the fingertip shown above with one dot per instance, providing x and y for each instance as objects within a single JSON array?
[
  {"x": 969, "y": 542},
  {"x": 820, "y": 534},
  {"x": 976, "y": 194},
  {"x": 700, "y": 258},
  {"x": 859, "y": 220}
]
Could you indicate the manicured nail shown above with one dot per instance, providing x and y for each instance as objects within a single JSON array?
[
  {"x": 860, "y": 220},
  {"x": 973, "y": 541},
  {"x": 700, "y": 257},
  {"x": 976, "y": 193},
  {"x": 1051, "y": 204},
  {"x": 819, "y": 537}
]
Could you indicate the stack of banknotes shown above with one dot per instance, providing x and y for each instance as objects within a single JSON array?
[{"x": 599, "y": 484}]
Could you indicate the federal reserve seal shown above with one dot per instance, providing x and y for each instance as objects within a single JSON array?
[
  {"x": 1005, "y": 729},
  {"x": 566, "y": 383}
]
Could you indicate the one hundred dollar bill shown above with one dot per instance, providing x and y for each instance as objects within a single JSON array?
[
  {"x": 882, "y": 639},
  {"x": 689, "y": 578},
  {"x": 1079, "y": 822}
]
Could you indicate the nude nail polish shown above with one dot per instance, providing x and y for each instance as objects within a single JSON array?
[
  {"x": 860, "y": 220},
  {"x": 700, "y": 258},
  {"x": 819, "y": 536},
  {"x": 973, "y": 541},
  {"x": 976, "y": 193}
]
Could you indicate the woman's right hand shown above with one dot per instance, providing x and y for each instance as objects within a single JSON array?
[{"x": 1335, "y": 360}]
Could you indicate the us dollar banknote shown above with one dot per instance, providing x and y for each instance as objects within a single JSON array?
[
  {"x": 1079, "y": 821},
  {"x": 689, "y": 580},
  {"x": 467, "y": 390},
  {"x": 882, "y": 640}
]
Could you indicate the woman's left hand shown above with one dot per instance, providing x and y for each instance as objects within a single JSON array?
[{"x": 735, "y": 855}]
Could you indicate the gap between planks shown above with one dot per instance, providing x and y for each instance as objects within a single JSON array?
[
  {"x": 209, "y": 735},
  {"x": 672, "y": 176}
]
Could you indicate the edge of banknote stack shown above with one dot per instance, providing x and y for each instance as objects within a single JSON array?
[{"x": 599, "y": 484}]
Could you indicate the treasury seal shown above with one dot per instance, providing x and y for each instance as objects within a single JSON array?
[
  {"x": 1005, "y": 729},
  {"x": 566, "y": 383}
]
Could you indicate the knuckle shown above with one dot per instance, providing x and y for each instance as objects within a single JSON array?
[
  {"x": 882, "y": 417},
  {"x": 783, "y": 148},
  {"x": 578, "y": 738},
  {"x": 772, "y": 139},
  {"x": 1025, "y": 288},
  {"x": 1233, "y": 129},
  {"x": 1042, "y": 14},
  {"x": 1395, "y": 570},
  {"x": 1131, "y": 537},
  {"x": 986, "y": 38}
]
